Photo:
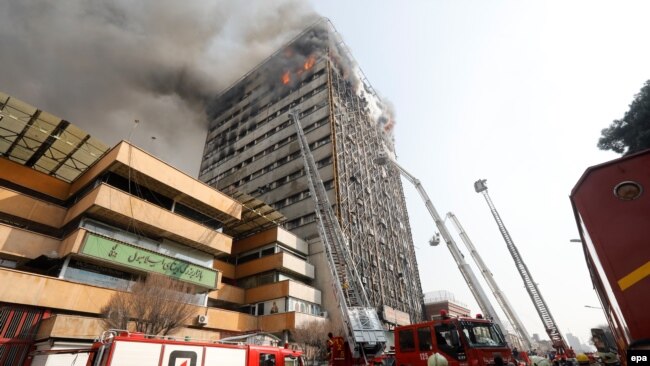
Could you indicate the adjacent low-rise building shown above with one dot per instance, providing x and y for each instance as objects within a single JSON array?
[
  {"x": 80, "y": 222},
  {"x": 436, "y": 301}
]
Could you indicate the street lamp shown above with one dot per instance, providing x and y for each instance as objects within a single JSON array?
[
  {"x": 593, "y": 307},
  {"x": 575, "y": 241}
]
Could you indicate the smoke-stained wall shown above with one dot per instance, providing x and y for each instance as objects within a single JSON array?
[
  {"x": 251, "y": 147},
  {"x": 104, "y": 64}
]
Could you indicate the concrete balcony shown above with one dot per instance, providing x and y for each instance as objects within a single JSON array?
[
  {"x": 228, "y": 293},
  {"x": 70, "y": 326},
  {"x": 31, "y": 209},
  {"x": 129, "y": 161},
  {"x": 283, "y": 289},
  {"x": 117, "y": 207},
  {"x": 48, "y": 292},
  {"x": 220, "y": 319},
  {"x": 226, "y": 269},
  {"x": 123, "y": 159},
  {"x": 27, "y": 177},
  {"x": 280, "y": 261},
  {"x": 26, "y": 244},
  {"x": 291, "y": 320},
  {"x": 273, "y": 235},
  {"x": 63, "y": 326}
]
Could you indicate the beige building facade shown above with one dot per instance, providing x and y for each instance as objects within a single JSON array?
[{"x": 80, "y": 222}]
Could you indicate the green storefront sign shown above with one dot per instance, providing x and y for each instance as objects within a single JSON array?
[{"x": 147, "y": 260}]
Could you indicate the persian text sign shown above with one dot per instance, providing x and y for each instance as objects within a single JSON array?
[{"x": 147, "y": 260}]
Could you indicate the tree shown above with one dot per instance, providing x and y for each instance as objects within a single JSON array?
[
  {"x": 156, "y": 305},
  {"x": 312, "y": 338},
  {"x": 631, "y": 133}
]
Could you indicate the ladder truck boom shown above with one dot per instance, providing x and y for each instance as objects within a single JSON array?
[
  {"x": 365, "y": 333},
  {"x": 520, "y": 330},
  {"x": 535, "y": 295},
  {"x": 465, "y": 269}
]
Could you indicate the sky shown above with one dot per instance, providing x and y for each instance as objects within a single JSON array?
[
  {"x": 509, "y": 91},
  {"x": 512, "y": 92}
]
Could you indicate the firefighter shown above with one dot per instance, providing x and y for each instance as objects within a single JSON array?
[
  {"x": 330, "y": 344},
  {"x": 437, "y": 359}
]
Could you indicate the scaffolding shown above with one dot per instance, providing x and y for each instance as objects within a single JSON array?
[{"x": 371, "y": 203}]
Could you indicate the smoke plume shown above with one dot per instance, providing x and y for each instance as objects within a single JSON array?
[{"x": 104, "y": 64}]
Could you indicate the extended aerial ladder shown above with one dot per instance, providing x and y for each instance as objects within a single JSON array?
[
  {"x": 365, "y": 333},
  {"x": 518, "y": 326},
  {"x": 535, "y": 295},
  {"x": 465, "y": 269}
]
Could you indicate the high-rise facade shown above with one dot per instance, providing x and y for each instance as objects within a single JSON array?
[{"x": 251, "y": 147}]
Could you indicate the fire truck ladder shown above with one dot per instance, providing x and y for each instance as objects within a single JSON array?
[
  {"x": 365, "y": 334},
  {"x": 520, "y": 330},
  {"x": 535, "y": 295}
]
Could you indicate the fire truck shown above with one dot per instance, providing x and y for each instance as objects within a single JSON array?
[
  {"x": 135, "y": 349},
  {"x": 611, "y": 204},
  {"x": 462, "y": 341}
]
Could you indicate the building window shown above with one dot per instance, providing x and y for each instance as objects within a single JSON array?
[
  {"x": 6, "y": 263},
  {"x": 92, "y": 274},
  {"x": 406, "y": 341},
  {"x": 424, "y": 339},
  {"x": 267, "y": 359}
]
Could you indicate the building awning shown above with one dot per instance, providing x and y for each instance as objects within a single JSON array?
[
  {"x": 256, "y": 216},
  {"x": 42, "y": 141}
]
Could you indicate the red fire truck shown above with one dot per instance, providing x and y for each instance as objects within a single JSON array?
[
  {"x": 134, "y": 349},
  {"x": 611, "y": 203},
  {"x": 463, "y": 342}
]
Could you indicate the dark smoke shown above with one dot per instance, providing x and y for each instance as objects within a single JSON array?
[
  {"x": 103, "y": 64},
  {"x": 283, "y": 73}
]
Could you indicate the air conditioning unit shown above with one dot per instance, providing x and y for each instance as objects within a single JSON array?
[
  {"x": 202, "y": 319},
  {"x": 323, "y": 314}
]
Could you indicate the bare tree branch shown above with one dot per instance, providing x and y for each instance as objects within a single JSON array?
[
  {"x": 312, "y": 338},
  {"x": 157, "y": 305}
]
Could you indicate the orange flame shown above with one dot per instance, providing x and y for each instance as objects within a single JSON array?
[
  {"x": 309, "y": 63},
  {"x": 286, "y": 78},
  {"x": 388, "y": 127}
]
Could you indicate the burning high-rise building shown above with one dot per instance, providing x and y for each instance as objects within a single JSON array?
[{"x": 251, "y": 147}]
